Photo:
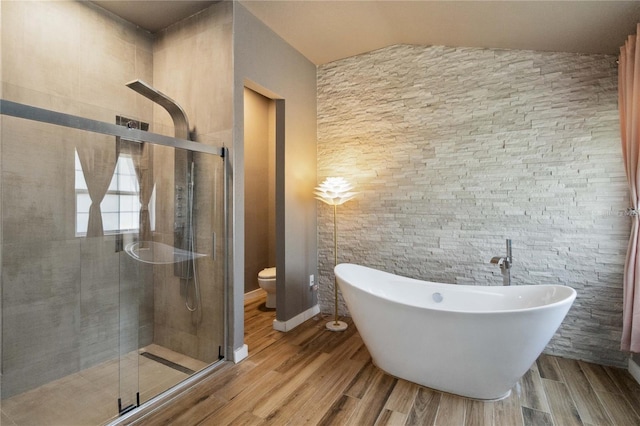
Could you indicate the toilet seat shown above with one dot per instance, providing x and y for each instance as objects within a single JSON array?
[{"x": 267, "y": 273}]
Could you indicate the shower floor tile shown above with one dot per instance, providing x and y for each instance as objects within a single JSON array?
[{"x": 90, "y": 397}]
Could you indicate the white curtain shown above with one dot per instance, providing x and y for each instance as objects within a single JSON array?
[
  {"x": 629, "y": 106},
  {"x": 98, "y": 160},
  {"x": 143, "y": 163}
]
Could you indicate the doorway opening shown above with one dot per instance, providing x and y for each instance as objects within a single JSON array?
[{"x": 260, "y": 270}]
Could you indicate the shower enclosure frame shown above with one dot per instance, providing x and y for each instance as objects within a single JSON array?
[
  {"x": 18, "y": 110},
  {"x": 27, "y": 112}
]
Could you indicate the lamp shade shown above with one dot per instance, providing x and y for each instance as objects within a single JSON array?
[{"x": 334, "y": 191}]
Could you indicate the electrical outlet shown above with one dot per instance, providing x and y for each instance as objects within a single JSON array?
[{"x": 312, "y": 280}]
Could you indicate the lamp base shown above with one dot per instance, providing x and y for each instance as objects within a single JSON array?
[{"x": 336, "y": 326}]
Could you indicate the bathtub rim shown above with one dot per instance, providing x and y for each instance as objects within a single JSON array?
[{"x": 568, "y": 298}]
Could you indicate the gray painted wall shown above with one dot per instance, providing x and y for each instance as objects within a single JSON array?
[
  {"x": 454, "y": 150},
  {"x": 268, "y": 65}
]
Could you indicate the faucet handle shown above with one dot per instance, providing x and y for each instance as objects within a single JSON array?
[{"x": 506, "y": 264}]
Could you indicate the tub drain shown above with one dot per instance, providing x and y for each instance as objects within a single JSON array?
[{"x": 437, "y": 297}]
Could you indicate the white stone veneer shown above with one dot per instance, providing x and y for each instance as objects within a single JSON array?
[{"x": 454, "y": 150}]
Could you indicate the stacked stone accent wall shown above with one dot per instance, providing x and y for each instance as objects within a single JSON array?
[{"x": 454, "y": 150}]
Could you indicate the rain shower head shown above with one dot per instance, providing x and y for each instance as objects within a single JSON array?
[{"x": 180, "y": 121}]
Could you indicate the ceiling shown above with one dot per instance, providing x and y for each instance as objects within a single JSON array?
[
  {"x": 154, "y": 15},
  {"x": 327, "y": 30}
]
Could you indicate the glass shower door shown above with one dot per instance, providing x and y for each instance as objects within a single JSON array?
[
  {"x": 96, "y": 323},
  {"x": 172, "y": 274},
  {"x": 130, "y": 286}
]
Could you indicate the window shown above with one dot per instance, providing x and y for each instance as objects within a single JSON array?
[{"x": 121, "y": 204}]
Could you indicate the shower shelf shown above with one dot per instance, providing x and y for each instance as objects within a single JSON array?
[{"x": 159, "y": 253}]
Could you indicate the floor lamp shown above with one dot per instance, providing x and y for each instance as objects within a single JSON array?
[{"x": 335, "y": 191}]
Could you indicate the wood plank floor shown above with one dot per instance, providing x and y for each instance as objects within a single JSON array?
[{"x": 310, "y": 376}]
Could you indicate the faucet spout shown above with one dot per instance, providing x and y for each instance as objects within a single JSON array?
[{"x": 497, "y": 260}]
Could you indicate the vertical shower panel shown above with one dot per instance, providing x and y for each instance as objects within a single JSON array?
[{"x": 75, "y": 302}]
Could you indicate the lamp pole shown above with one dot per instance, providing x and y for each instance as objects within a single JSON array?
[
  {"x": 335, "y": 191},
  {"x": 336, "y": 323}
]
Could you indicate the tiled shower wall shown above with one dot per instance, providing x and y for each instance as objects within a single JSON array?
[
  {"x": 192, "y": 61},
  {"x": 454, "y": 150},
  {"x": 61, "y": 293}
]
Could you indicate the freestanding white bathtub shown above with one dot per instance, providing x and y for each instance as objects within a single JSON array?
[{"x": 473, "y": 341}]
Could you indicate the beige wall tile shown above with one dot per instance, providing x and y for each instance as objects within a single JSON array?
[{"x": 70, "y": 57}]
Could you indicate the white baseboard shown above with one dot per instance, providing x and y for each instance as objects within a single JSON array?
[
  {"x": 634, "y": 369},
  {"x": 240, "y": 353},
  {"x": 254, "y": 294},
  {"x": 297, "y": 320}
]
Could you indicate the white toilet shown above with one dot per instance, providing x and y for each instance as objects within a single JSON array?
[{"x": 267, "y": 281}]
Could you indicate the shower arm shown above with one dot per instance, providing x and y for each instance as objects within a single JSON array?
[{"x": 180, "y": 122}]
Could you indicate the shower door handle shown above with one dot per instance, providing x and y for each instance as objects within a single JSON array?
[{"x": 213, "y": 251}]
